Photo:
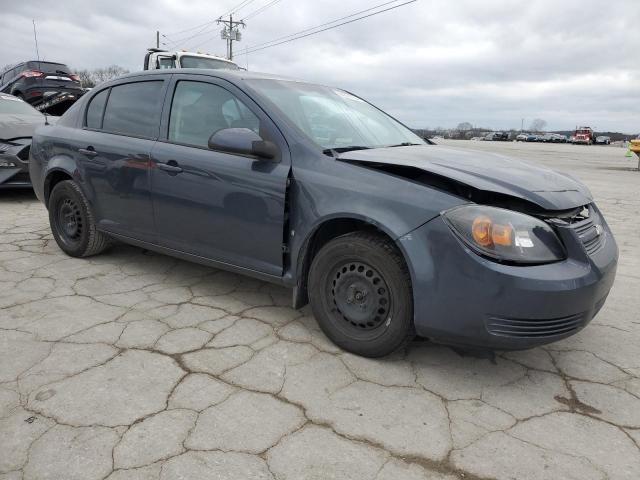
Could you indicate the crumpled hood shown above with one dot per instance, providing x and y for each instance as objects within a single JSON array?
[
  {"x": 485, "y": 171},
  {"x": 14, "y": 125}
]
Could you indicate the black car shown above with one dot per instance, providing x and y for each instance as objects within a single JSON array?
[
  {"x": 313, "y": 188},
  {"x": 48, "y": 86}
]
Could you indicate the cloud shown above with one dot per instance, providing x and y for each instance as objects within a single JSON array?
[{"x": 431, "y": 63}]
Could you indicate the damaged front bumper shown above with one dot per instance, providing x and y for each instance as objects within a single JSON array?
[
  {"x": 464, "y": 299},
  {"x": 14, "y": 165}
]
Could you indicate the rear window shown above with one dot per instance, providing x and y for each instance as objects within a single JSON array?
[
  {"x": 95, "y": 109},
  {"x": 49, "y": 67},
  {"x": 204, "y": 62},
  {"x": 134, "y": 109}
]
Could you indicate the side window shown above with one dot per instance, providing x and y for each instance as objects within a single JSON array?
[
  {"x": 166, "y": 62},
  {"x": 200, "y": 109},
  {"x": 95, "y": 109},
  {"x": 133, "y": 109}
]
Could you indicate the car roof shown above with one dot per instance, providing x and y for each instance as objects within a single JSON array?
[
  {"x": 14, "y": 65},
  {"x": 231, "y": 75}
]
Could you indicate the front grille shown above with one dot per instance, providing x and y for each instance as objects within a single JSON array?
[
  {"x": 585, "y": 221},
  {"x": 509, "y": 327},
  {"x": 589, "y": 235}
]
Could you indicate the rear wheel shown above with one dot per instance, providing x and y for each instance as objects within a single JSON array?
[
  {"x": 360, "y": 293},
  {"x": 72, "y": 222}
]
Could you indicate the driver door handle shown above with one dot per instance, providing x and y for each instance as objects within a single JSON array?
[
  {"x": 170, "y": 167},
  {"x": 89, "y": 152}
]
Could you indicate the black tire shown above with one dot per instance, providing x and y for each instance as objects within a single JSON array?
[
  {"x": 72, "y": 222},
  {"x": 360, "y": 293}
]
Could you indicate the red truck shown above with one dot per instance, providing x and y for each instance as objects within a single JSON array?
[{"x": 583, "y": 135}]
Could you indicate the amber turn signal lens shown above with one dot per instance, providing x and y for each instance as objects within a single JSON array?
[
  {"x": 481, "y": 231},
  {"x": 487, "y": 234},
  {"x": 502, "y": 235}
]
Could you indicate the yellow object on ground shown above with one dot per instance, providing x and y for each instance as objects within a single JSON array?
[{"x": 634, "y": 146}]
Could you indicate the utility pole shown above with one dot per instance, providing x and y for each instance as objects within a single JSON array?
[
  {"x": 157, "y": 38},
  {"x": 230, "y": 33},
  {"x": 521, "y": 125}
]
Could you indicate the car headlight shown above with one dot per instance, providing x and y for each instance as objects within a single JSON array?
[
  {"x": 6, "y": 164},
  {"x": 505, "y": 235}
]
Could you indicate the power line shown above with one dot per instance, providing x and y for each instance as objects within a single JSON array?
[
  {"x": 237, "y": 7},
  {"x": 252, "y": 14},
  {"x": 261, "y": 9},
  {"x": 324, "y": 24},
  {"x": 190, "y": 28},
  {"x": 204, "y": 31},
  {"x": 297, "y": 36},
  {"x": 240, "y": 5}
]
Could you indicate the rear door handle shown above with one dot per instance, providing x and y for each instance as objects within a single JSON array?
[
  {"x": 89, "y": 151},
  {"x": 170, "y": 167}
]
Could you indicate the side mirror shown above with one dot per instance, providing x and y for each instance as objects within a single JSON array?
[{"x": 242, "y": 141}]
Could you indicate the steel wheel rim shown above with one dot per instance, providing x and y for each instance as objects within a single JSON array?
[
  {"x": 69, "y": 221},
  {"x": 360, "y": 296}
]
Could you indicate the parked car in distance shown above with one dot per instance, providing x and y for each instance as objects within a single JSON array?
[
  {"x": 48, "y": 86},
  {"x": 603, "y": 140},
  {"x": 497, "y": 136},
  {"x": 522, "y": 137},
  {"x": 532, "y": 137},
  {"x": 18, "y": 120},
  {"x": 159, "y": 59},
  {"x": 546, "y": 138},
  {"x": 313, "y": 188}
]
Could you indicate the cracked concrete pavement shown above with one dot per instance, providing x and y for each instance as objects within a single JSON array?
[{"x": 132, "y": 365}]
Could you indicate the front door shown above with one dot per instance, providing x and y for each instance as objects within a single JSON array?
[{"x": 225, "y": 207}]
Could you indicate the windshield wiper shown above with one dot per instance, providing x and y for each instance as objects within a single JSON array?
[
  {"x": 333, "y": 151},
  {"x": 350, "y": 148},
  {"x": 404, "y": 144}
]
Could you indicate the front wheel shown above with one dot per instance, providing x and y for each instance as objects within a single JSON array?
[
  {"x": 72, "y": 221},
  {"x": 360, "y": 293}
]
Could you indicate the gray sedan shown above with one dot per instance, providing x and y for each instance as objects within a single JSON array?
[
  {"x": 314, "y": 188},
  {"x": 18, "y": 120}
]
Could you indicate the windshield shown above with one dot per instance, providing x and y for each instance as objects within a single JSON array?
[
  {"x": 333, "y": 118},
  {"x": 15, "y": 106},
  {"x": 204, "y": 62}
]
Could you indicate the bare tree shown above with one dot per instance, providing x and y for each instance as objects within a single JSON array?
[
  {"x": 90, "y": 78},
  {"x": 538, "y": 125},
  {"x": 104, "y": 74},
  {"x": 464, "y": 126},
  {"x": 86, "y": 78}
]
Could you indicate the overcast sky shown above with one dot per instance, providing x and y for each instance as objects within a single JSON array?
[{"x": 431, "y": 63}]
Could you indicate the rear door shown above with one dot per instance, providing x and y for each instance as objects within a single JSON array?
[
  {"x": 221, "y": 206},
  {"x": 120, "y": 126}
]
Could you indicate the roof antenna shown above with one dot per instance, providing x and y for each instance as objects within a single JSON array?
[{"x": 35, "y": 38}]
